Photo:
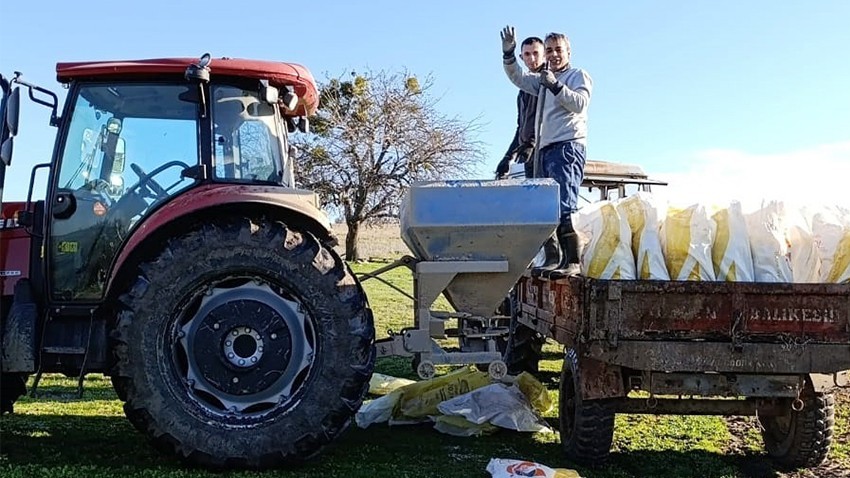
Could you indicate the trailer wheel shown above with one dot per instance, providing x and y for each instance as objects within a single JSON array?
[
  {"x": 801, "y": 439},
  {"x": 525, "y": 345},
  {"x": 587, "y": 427},
  {"x": 244, "y": 345},
  {"x": 12, "y": 387}
]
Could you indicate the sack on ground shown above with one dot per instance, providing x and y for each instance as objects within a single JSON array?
[
  {"x": 461, "y": 427},
  {"x": 498, "y": 404},
  {"x": 505, "y": 468},
  {"x": 381, "y": 384},
  {"x": 535, "y": 392},
  {"x": 419, "y": 400}
]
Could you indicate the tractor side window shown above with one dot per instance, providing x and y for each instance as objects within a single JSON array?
[{"x": 247, "y": 139}]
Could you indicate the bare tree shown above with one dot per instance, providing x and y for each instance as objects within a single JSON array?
[{"x": 372, "y": 136}]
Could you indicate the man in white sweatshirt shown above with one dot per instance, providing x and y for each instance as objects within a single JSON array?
[{"x": 563, "y": 95}]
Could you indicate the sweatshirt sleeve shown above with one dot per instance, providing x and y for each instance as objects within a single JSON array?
[
  {"x": 528, "y": 82},
  {"x": 575, "y": 97}
]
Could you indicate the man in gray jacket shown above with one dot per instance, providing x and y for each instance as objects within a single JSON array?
[{"x": 563, "y": 95}]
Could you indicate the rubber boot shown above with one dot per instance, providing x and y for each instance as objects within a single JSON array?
[
  {"x": 569, "y": 244},
  {"x": 552, "y": 257},
  {"x": 569, "y": 265}
]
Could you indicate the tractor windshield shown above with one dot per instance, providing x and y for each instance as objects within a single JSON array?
[{"x": 147, "y": 125}]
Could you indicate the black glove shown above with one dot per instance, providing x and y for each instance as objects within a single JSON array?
[
  {"x": 525, "y": 153},
  {"x": 547, "y": 79},
  {"x": 504, "y": 166},
  {"x": 508, "y": 42}
]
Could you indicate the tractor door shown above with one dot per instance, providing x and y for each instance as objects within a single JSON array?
[{"x": 123, "y": 153}]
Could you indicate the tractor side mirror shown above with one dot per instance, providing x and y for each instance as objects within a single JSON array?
[
  {"x": 269, "y": 94},
  {"x": 9, "y": 127},
  {"x": 13, "y": 108}
]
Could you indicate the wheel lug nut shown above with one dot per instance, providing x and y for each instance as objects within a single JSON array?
[
  {"x": 235, "y": 333},
  {"x": 247, "y": 330},
  {"x": 259, "y": 349},
  {"x": 241, "y": 361},
  {"x": 228, "y": 343},
  {"x": 230, "y": 355},
  {"x": 253, "y": 359},
  {"x": 274, "y": 336}
]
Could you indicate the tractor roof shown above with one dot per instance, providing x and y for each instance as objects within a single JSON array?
[{"x": 278, "y": 73}]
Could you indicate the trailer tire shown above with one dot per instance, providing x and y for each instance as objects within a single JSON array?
[
  {"x": 801, "y": 439},
  {"x": 525, "y": 345},
  {"x": 12, "y": 387},
  {"x": 243, "y": 344},
  {"x": 586, "y": 427}
]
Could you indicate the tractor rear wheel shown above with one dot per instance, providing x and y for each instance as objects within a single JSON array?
[
  {"x": 801, "y": 439},
  {"x": 244, "y": 344}
]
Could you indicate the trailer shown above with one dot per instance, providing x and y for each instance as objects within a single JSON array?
[{"x": 775, "y": 351}]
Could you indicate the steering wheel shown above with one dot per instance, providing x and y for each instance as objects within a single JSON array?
[{"x": 146, "y": 180}]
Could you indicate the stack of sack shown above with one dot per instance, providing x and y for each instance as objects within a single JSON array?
[{"x": 635, "y": 238}]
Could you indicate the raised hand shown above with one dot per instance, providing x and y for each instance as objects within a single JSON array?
[{"x": 508, "y": 40}]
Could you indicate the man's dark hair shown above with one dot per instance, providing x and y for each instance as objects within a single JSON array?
[{"x": 531, "y": 41}]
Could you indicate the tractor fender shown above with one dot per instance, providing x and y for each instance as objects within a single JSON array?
[{"x": 297, "y": 206}]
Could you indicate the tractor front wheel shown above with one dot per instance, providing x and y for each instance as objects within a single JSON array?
[{"x": 245, "y": 344}]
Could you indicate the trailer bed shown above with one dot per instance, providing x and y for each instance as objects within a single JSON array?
[{"x": 695, "y": 326}]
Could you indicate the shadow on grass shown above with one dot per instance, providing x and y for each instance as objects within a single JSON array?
[{"x": 109, "y": 446}]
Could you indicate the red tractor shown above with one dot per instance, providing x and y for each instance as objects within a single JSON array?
[{"x": 199, "y": 278}]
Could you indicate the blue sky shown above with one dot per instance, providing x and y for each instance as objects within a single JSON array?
[{"x": 724, "y": 98}]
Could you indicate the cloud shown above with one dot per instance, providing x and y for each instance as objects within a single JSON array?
[{"x": 807, "y": 177}]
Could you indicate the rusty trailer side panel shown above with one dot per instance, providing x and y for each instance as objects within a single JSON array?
[{"x": 695, "y": 326}]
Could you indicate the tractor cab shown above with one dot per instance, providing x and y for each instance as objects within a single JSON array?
[{"x": 136, "y": 134}]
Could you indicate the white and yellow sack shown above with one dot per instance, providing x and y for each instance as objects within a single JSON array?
[
  {"x": 505, "y": 468},
  {"x": 686, "y": 238},
  {"x": 802, "y": 248},
  {"x": 769, "y": 244},
  {"x": 641, "y": 214},
  {"x": 730, "y": 251},
  {"x": 607, "y": 251},
  {"x": 832, "y": 234}
]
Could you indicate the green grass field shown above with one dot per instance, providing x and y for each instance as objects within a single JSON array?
[{"x": 56, "y": 436}]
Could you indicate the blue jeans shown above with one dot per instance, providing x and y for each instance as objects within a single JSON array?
[{"x": 564, "y": 162}]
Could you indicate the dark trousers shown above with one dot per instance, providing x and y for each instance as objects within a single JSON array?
[{"x": 564, "y": 162}]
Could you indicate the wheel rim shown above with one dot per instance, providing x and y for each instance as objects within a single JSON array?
[{"x": 244, "y": 348}]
